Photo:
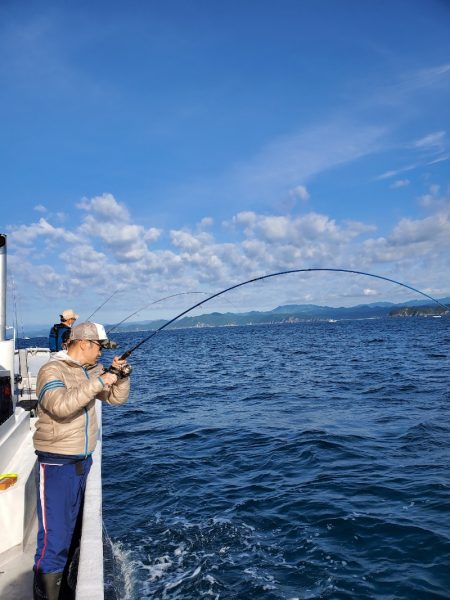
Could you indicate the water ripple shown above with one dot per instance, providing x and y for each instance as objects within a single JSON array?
[{"x": 284, "y": 462}]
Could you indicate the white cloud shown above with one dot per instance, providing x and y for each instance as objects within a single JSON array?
[
  {"x": 431, "y": 75},
  {"x": 415, "y": 82},
  {"x": 271, "y": 175},
  {"x": 388, "y": 174},
  {"x": 273, "y": 229},
  {"x": 400, "y": 183},
  {"x": 152, "y": 235},
  {"x": 185, "y": 240},
  {"x": 40, "y": 208},
  {"x": 430, "y": 145},
  {"x": 110, "y": 221},
  {"x": 432, "y": 140},
  {"x": 395, "y": 172},
  {"x": 429, "y": 230},
  {"x": 301, "y": 193},
  {"x": 420, "y": 247},
  {"x": 87, "y": 264},
  {"x": 439, "y": 159},
  {"x": 285, "y": 160},
  {"x": 245, "y": 217},
  {"x": 27, "y": 234},
  {"x": 370, "y": 292},
  {"x": 125, "y": 241},
  {"x": 206, "y": 222},
  {"x": 435, "y": 189},
  {"x": 310, "y": 227},
  {"x": 106, "y": 208},
  {"x": 98, "y": 255},
  {"x": 427, "y": 200}
]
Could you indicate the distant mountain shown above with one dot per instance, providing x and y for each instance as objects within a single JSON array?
[
  {"x": 295, "y": 313},
  {"x": 418, "y": 311},
  {"x": 287, "y": 313}
]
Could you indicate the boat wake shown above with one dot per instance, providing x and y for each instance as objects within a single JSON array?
[{"x": 119, "y": 570}]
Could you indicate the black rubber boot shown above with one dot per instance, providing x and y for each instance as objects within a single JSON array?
[{"x": 46, "y": 586}]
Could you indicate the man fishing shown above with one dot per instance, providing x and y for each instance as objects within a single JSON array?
[
  {"x": 66, "y": 435},
  {"x": 59, "y": 333}
]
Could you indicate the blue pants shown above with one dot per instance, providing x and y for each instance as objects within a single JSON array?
[{"x": 60, "y": 493}]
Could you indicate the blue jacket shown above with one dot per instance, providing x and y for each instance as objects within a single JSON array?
[{"x": 59, "y": 334}]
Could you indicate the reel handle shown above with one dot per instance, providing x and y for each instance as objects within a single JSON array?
[{"x": 125, "y": 371}]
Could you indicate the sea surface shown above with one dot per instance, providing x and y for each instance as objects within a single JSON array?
[
  {"x": 299, "y": 461},
  {"x": 283, "y": 462}
]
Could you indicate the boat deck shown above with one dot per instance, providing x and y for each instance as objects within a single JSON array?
[{"x": 16, "y": 576}]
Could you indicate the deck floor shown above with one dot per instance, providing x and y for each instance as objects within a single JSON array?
[{"x": 16, "y": 576}]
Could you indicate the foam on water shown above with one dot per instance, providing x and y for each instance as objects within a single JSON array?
[{"x": 120, "y": 570}]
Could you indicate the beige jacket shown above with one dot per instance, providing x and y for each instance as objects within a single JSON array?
[{"x": 67, "y": 423}]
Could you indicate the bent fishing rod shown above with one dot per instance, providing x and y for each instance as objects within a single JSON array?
[
  {"x": 126, "y": 370},
  {"x": 126, "y": 354}
]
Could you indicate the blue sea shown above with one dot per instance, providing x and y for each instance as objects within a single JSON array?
[{"x": 298, "y": 461}]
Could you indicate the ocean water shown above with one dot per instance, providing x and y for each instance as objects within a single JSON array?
[{"x": 283, "y": 462}]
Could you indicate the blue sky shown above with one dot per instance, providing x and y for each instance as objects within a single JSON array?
[{"x": 164, "y": 147}]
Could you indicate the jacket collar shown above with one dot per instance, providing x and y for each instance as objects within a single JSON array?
[{"x": 63, "y": 356}]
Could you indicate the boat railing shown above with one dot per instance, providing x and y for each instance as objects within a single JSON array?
[
  {"x": 27, "y": 362},
  {"x": 90, "y": 580}
]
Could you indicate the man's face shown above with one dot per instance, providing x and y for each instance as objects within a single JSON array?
[{"x": 91, "y": 351}]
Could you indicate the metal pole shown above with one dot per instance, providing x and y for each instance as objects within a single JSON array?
[{"x": 2, "y": 287}]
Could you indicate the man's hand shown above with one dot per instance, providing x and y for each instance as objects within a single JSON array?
[
  {"x": 109, "y": 378},
  {"x": 120, "y": 368},
  {"x": 117, "y": 363}
]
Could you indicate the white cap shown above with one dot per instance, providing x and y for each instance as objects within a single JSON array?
[
  {"x": 68, "y": 314},
  {"x": 90, "y": 331}
]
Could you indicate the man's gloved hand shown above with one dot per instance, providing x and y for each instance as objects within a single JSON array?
[
  {"x": 120, "y": 368},
  {"x": 109, "y": 378}
]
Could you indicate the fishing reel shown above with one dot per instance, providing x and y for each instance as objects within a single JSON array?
[
  {"x": 121, "y": 373},
  {"x": 110, "y": 345}
]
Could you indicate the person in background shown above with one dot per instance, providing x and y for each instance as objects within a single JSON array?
[
  {"x": 66, "y": 435},
  {"x": 59, "y": 333}
]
